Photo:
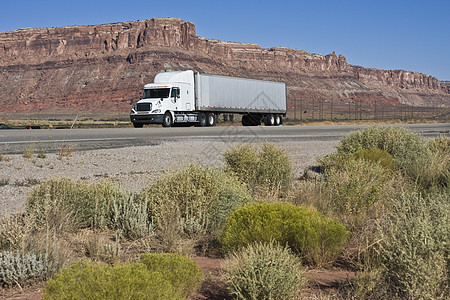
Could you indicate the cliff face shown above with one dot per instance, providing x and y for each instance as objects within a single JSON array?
[{"x": 101, "y": 68}]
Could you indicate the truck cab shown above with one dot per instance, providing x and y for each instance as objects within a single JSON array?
[{"x": 171, "y": 94}]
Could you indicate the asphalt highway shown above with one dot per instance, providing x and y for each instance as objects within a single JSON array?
[{"x": 16, "y": 141}]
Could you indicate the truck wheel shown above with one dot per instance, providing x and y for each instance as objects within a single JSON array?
[
  {"x": 138, "y": 125},
  {"x": 269, "y": 120},
  {"x": 167, "y": 120},
  {"x": 201, "y": 120},
  {"x": 245, "y": 120},
  {"x": 210, "y": 119},
  {"x": 255, "y": 119},
  {"x": 277, "y": 120}
]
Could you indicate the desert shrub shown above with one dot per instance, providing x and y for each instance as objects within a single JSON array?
[
  {"x": 376, "y": 155},
  {"x": 264, "y": 271},
  {"x": 193, "y": 200},
  {"x": 182, "y": 273},
  {"x": 317, "y": 238},
  {"x": 440, "y": 144},
  {"x": 243, "y": 162},
  {"x": 83, "y": 280},
  {"x": 130, "y": 217},
  {"x": 440, "y": 163},
  {"x": 408, "y": 149},
  {"x": 73, "y": 205},
  {"x": 12, "y": 231},
  {"x": 19, "y": 267},
  {"x": 414, "y": 249},
  {"x": 268, "y": 168},
  {"x": 353, "y": 189}
]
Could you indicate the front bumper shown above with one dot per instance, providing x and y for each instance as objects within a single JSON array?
[{"x": 147, "y": 119}]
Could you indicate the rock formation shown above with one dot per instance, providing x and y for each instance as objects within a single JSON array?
[{"x": 101, "y": 68}]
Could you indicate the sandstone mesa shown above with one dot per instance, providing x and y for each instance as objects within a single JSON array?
[{"x": 100, "y": 68}]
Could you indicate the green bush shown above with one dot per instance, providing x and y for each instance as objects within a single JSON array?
[
  {"x": 408, "y": 149},
  {"x": 83, "y": 280},
  {"x": 318, "y": 239},
  {"x": 183, "y": 273},
  {"x": 264, "y": 271},
  {"x": 194, "y": 200},
  {"x": 268, "y": 168},
  {"x": 73, "y": 205},
  {"x": 376, "y": 155},
  {"x": 414, "y": 249}
]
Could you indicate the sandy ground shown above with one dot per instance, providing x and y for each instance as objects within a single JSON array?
[{"x": 131, "y": 167}]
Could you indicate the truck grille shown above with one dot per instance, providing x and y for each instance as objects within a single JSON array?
[{"x": 144, "y": 107}]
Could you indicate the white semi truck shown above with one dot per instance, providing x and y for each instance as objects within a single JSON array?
[{"x": 198, "y": 99}]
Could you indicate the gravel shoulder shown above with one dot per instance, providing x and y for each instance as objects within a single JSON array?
[{"x": 131, "y": 167}]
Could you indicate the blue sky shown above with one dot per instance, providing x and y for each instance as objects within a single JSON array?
[{"x": 397, "y": 34}]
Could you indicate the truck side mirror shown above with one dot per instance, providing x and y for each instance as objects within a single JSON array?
[{"x": 140, "y": 94}]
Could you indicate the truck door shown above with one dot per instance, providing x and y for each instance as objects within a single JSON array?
[{"x": 175, "y": 96}]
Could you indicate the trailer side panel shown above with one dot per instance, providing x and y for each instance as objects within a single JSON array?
[{"x": 239, "y": 95}]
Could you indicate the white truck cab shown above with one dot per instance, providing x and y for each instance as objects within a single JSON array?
[{"x": 171, "y": 93}]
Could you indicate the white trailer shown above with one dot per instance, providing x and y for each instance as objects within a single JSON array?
[{"x": 198, "y": 99}]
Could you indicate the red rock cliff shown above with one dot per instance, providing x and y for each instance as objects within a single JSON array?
[{"x": 100, "y": 68}]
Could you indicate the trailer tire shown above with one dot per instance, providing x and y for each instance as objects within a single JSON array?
[
  {"x": 210, "y": 119},
  {"x": 245, "y": 120},
  {"x": 167, "y": 120},
  {"x": 138, "y": 125},
  {"x": 255, "y": 119},
  {"x": 278, "y": 120},
  {"x": 269, "y": 120}
]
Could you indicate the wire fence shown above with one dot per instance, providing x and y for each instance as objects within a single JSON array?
[{"x": 307, "y": 110}]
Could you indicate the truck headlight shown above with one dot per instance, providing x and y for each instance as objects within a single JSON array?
[{"x": 156, "y": 111}]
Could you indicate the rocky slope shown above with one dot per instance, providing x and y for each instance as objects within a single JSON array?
[{"x": 100, "y": 68}]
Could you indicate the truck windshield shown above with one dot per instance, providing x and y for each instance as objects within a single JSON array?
[{"x": 156, "y": 93}]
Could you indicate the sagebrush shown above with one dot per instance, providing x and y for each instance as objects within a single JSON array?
[
  {"x": 353, "y": 189},
  {"x": 193, "y": 200},
  {"x": 264, "y": 271},
  {"x": 414, "y": 252},
  {"x": 418, "y": 160},
  {"x": 267, "y": 169},
  {"x": 69, "y": 206},
  {"x": 18, "y": 267}
]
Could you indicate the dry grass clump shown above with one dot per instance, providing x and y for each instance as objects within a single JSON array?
[
  {"x": 69, "y": 206},
  {"x": 264, "y": 271},
  {"x": 194, "y": 200},
  {"x": 265, "y": 170},
  {"x": 65, "y": 151},
  {"x": 412, "y": 260},
  {"x": 415, "y": 158}
]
